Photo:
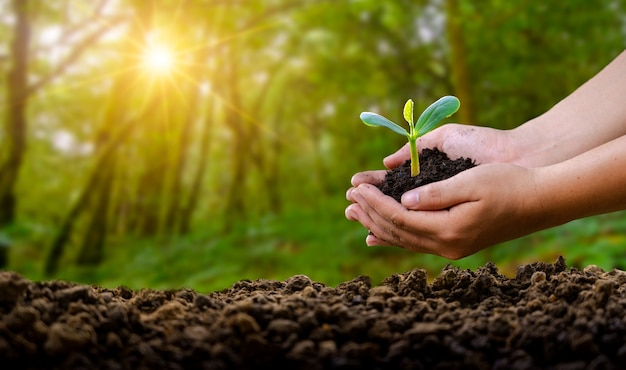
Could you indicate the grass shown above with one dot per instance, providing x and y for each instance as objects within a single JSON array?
[{"x": 318, "y": 243}]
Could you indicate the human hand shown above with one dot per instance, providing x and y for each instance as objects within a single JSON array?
[
  {"x": 482, "y": 144},
  {"x": 453, "y": 218}
]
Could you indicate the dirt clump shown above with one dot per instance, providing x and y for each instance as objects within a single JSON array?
[
  {"x": 547, "y": 316},
  {"x": 434, "y": 166}
]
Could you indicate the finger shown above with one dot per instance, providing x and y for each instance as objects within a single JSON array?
[
  {"x": 433, "y": 139},
  {"x": 355, "y": 213},
  {"x": 373, "y": 241},
  {"x": 440, "y": 195},
  {"x": 363, "y": 211},
  {"x": 427, "y": 142},
  {"x": 350, "y": 212},
  {"x": 385, "y": 218},
  {"x": 368, "y": 177},
  {"x": 349, "y": 194},
  {"x": 417, "y": 231},
  {"x": 398, "y": 158}
]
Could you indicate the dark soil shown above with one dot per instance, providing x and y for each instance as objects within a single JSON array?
[
  {"x": 434, "y": 166},
  {"x": 547, "y": 317}
]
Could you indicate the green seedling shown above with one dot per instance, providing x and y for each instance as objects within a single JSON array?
[{"x": 428, "y": 120}]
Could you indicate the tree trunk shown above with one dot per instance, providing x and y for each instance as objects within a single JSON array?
[
  {"x": 179, "y": 164},
  {"x": 95, "y": 177},
  {"x": 458, "y": 62},
  {"x": 188, "y": 208},
  {"x": 151, "y": 189},
  {"x": 234, "y": 195},
  {"x": 272, "y": 172},
  {"x": 15, "y": 120},
  {"x": 92, "y": 250}
]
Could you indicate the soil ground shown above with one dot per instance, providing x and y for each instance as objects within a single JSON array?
[
  {"x": 546, "y": 317},
  {"x": 434, "y": 166}
]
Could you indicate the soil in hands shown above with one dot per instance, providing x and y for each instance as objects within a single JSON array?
[
  {"x": 434, "y": 166},
  {"x": 546, "y": 317}
]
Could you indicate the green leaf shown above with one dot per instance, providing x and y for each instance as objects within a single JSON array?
[
  {"x": 408, "y": 111},
  {"x": 376, "y": 120},
  {"x": 442, "y": 108}
]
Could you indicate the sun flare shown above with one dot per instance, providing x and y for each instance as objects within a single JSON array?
[{"x": 158, "y": 59}]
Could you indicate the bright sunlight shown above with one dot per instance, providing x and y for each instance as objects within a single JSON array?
[{"x": 158, "y": 59}]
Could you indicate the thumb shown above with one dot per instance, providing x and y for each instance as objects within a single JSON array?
[
  {"x": 437, "y": 195},
  {"x": 398, "y": 158}
]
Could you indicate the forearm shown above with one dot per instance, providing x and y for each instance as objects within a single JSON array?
[
  {"x": 592, "y": 115},
  {"x": 592, "y": 183}
]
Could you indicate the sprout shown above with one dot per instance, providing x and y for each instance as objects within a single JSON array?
[{"x": 428, "y": 120}]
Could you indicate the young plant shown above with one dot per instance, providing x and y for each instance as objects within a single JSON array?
[{"x": 428, "y": 120}]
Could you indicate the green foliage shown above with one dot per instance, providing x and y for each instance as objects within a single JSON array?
[
  {"x": 432, "y": 116},
  {"x": 307, "y": 241},
  {"x": 229, "y": 122},
  {"x": 428, "y": 120}
]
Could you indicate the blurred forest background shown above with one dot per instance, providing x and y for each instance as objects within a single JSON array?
[{"x": 169, "y": 143}]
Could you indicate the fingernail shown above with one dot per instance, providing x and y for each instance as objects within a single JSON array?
[
  {"x": 349, "y": 194},
  {"x": 349, "y": 213},
  {"x": 410, "y": 199}
]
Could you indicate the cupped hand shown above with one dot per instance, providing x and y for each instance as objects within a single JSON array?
[
  {"x": 483, "y": 144},
  {"x": 453, "y": 218}
]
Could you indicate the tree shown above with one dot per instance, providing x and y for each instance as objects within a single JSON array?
[
  {"x": 15, "y": 119},
  {"x": 19, "y": 92},
  {"x": 459, "y": 67}
]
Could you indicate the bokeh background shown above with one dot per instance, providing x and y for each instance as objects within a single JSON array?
[{"x": 170, "y": 143}]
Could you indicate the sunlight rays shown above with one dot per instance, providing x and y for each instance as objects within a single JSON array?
[
  {"x": 158, "y": 69},
  {"x": 158, "y": 59}
]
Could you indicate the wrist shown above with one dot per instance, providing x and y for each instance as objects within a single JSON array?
[
  {"x": 526, "y": 146},
  {"x": 586, "y": 185},
  {"x": 541, "y": 141}
]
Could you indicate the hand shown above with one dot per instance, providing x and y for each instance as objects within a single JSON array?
[
  {"x": 483, "y": 144},
  {"x": 453, "y": 218}
]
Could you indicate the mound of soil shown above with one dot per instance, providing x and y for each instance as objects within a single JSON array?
[
  {"x": 548, "y": 316},
  {"x": 434, "y": 166}
]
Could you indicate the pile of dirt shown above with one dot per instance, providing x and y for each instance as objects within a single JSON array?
[
  {"x": 548, "y": 316},
  {"x": 434, "y": 166}
]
